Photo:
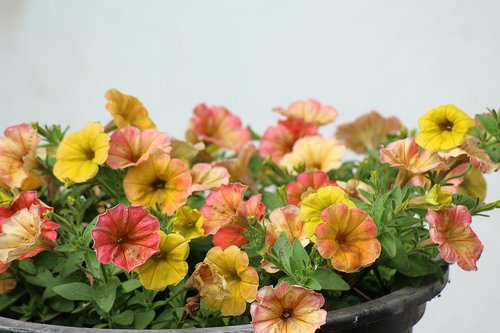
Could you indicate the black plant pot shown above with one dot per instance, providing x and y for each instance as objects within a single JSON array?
[{"x": 397, "y": 312}]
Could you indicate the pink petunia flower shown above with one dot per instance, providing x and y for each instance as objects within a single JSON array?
[{"x": 310, "y": 111}]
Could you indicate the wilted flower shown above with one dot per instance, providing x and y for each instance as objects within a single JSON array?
[
  {"x": 444, "y": 128},
  {"x": 158, "y": 180},
  {"x": 80, "y": 154},
  {"x": 307, "y": 182},
  {"x": 348, "y": 238},
  {"x": 315, "y": 153},
  {"x": 188, "y": 222},
  {"x": 368, "y": 131},
  {"x": 478, "y": 157},
  {"x": 238, "y": 167},
  {"x": 130, "y": 146},
  {"x": 436, "y": 199},
  {"x": 166, "y": 267},
  {"x": 353, "y": 187},
  {"x": 210, "y": 283},
  {"x": 7, "y": 283},
  {"x": 126, "y": 236},
  {"x": 450, "y": 229},
  {"x": 287, "y": 308},
  {"x": 217, "y": 125},
  {"x": 184, "y": 150},
  {"x": 285, "y": 219},
  {"x": 310, "y": 111},
  {"x": 18, "y": 156},
  {"x": 279, "y": 140},
  {"x": 127, "y": 111},
  {"x": 206, "y": 176}
]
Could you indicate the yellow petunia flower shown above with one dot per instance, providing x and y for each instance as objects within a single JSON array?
[
  {"x": 167, "y": 267},
  {"x": 80, "y": 154},
  {"x": 127, "y": 111},
  {"x": 444, "y": 128},
  {"x": 188, "y": 222}
]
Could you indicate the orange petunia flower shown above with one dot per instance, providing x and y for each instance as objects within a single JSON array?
[
  {"x": 367, "y": 131},
  {"x": 285, "y": 219},
  {"x": 287, "y": 308},
  {"x": 217, "y": 125},
  {"x": 450, "y": 229},
  {"x": 347, "y": 238},
  {"x": 126, "y": 236},
  {"x": 206, "y": 176},
  {"x": 158, "y": 180},
  {"x": 127, "y": 111},
  {"x": 279, "y": 140},
  {"x": 238, "y": 167},
  {"x": 307, "y": 182},
  {"x": 130, "y": 146},
  {"x": 310, "y": 111}
]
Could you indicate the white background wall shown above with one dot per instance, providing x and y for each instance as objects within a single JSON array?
[{"x": 57, "y": 58}]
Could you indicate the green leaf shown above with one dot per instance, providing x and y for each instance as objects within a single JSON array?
[
  {"x": 124, "y": 318},
  {"x": 283, "y": 251},
  {"x": 489, "y": 123},
  {"x": 129, "y": 286},
  {"x": 329, "y": 280},
  {"x": 105, "y": 294},
  {"x": 75, "y": 291},
  {"x": 312, "y": 283},
  {"x": 388, "y": 242},
  {"x": 61, "y": 304},
  {"x": 300, "y": 254},
  {"x": 271, "y": 200},
  {"x": 87, "y": 233},
  {"x": 65, "y": 248},
  {"x": 27, "y": 266},
  {"x": 143, "y": 318}
]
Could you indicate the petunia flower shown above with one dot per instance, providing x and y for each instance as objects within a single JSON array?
[
  {"x": 242, "y": 281},
  {"x": 348, "y": 238},
  {"x": 80, "y": 154},
  {"x": 451, "y": 231},
  {"x": 285, "y": 219},
  {"x": 18, "y": 157},
  {"x": 188, "y": 222},
  {"x": 314, "y": 204},
  {"x": 444, "y": 128},
  {"x": 315, "y": 153},
  {"x": 238, "y": 167},
  {"x": 126, "y": 236},
  {"x": 473, "y": 185},
  {"x": 477, "y": 157},
  {"x": 307, "y": 182},
  {"x": 310, "y": 111},
  {"x": 7, "y": 283},
  {"x": 219, "y": 126},
  {"x": 287, "y": 308},
  {"x": 25, "y": 234},
  {"x": 168, "y": 266},
  {"x": 24, "y": 199},
  {"x": 127, "y": 111},
  {"x": 211, "y": 285},
  {"x": 206, "y": 176},
  {"x": 353, "y": 187},
  {"x": 158, "y": 180},
  {"x": 279, "y": 140},
  {"x": 130, "y": 146}
]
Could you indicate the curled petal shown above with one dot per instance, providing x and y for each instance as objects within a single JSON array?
[
  {"x": 127, "y": 111},
  {"x": 205, "y": 176},
  {"x": 310, "y": 111}
]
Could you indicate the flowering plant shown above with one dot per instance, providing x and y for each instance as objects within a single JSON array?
[{"x": 123, "y": 226}]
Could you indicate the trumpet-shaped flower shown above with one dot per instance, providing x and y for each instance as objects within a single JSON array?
[
  {"x": 287, "y": 309},
  {"x": 347, "y": 238},
  {"x": 238, "y": 167},
  {"x": 18, "y": 155},
  {"x": 310, "y": 111},
  {"x": 206, "y": 176},
  {"x": 367, "y": 131},
  {"x": 25, "y": 234},
  {"x": 451, "y": 231},
  {"x": 80, "y": 154},
  {"x": 130, "y": 146},
  {"x": 25, "y": 199},
  {"x": 242, "y": 280},
  {"x": 217, "y": 125},
  {"x": 315, "y": 153},
  {"x": 188, "y": 222},
  {"x": 307, "y": 182},
  {"x": 285, "y": 219},
  {"x": 279, "y": 140},
  {"x": 314, "y": 204},
  {"x": 444, "y": 128},
  {"x": 168, "y": 266},
  {"x": 126, "y": 236},
  {"x": 127, "y": 111},
  {"x": 158, "y": 180}
]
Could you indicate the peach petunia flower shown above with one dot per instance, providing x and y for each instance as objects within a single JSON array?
[
  {"x": 478, "y": 157},
  {"x": 168, "y": 266},
  {"x": 307, "y": 182},
  {"x": 24, "y": 199},
  {"x": 18, "y": 156},
  {"x": 206, "y": 176},
  {"x": 279, "y": 140},
  {"x": 310, "y": 111},
  {"x": 219, "y": 126},
  {"x": 184, "y": 150},
  {"x": 130, "y": 146},
  {"x": 7, "y": 283},
  {"x": 238, "y": 167},
  {"x": 285, "y": 219},
  {"x": 25, "y": 234},
  {"x": 367, "y": 131},
  {"x": 158, "y": 180},
  {"x": 242, "y": 281},
  {"x": 80, "y": 154},
  {"x": 451, "y": 231},
  {"x": 353, "y": 187},
  {"x": 126, "y": 236},
  {"x": 288, "y": 309},
  {"x": 314, "y": 204},
  {"x": 315, "y": 153},
  {"x": 188, "y": 222},
  {"x": 347, "y": 238},
  {"x": 127, "y": 111}
]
